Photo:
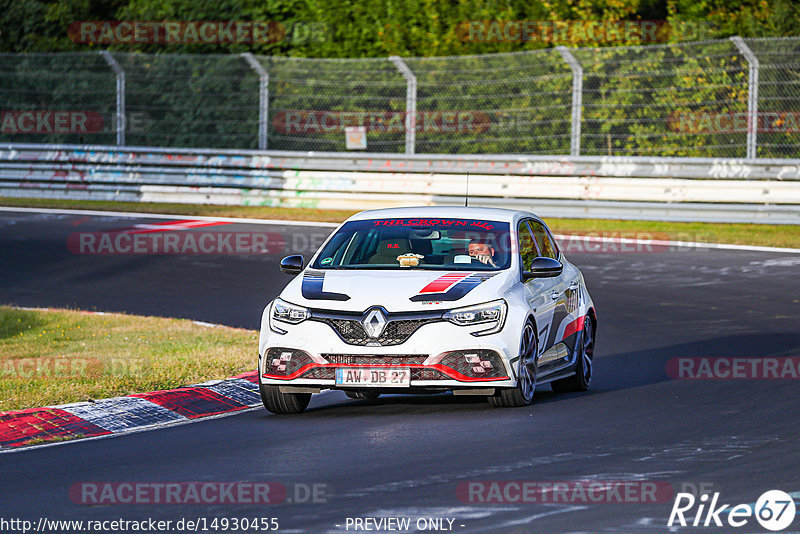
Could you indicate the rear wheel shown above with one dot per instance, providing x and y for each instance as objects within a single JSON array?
[
  {"x": 522, "y": 395},
  {"x": 582, "y": 378},
  {"x": 283, "y": 403},
  {"x": 362, "y": 395}
]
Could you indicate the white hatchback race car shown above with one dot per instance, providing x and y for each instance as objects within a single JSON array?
[{"x": 477, "y": 301}]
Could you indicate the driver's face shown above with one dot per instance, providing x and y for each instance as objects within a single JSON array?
[{"x": 480, "y": 249}]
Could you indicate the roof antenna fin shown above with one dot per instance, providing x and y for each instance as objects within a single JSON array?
[{"x": 466, "y": 195}]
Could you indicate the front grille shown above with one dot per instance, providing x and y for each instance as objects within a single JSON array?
[
  {"x": 428, "y": 374},
  {"x": 417, "y": 373},
  {"x": 320, "y": 373},
  {"x": 376, "y": 359},
  {"x": 394, "y": 333}
]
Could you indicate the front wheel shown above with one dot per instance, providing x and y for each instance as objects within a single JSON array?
[
  {"x": 522, "y": 395},
  {"x": 283, "y": 403}
]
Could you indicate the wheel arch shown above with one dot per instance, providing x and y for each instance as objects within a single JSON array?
[
  {"x": 532, "y": 319},
  {"x": 593, "y": 316}
]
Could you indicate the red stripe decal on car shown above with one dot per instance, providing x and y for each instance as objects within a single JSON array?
[
  {"x": 573, "y": 327},
  {"x": 441, "y": 284},
  {"x": 462, "y": 286}
]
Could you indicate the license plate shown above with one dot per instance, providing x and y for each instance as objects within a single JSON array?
[{"x": 371, "y": 377}]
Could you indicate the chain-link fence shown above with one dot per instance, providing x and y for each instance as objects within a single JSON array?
[{"x": 724, "y": 98}]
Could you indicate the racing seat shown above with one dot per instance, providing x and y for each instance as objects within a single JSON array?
[{"x": 388, "y": 250}]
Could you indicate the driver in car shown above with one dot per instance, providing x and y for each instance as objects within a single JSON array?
[{"x": 481, "y": 251}]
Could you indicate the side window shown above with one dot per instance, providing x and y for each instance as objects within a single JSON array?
[
  {"x": 556, "y": 248},
  {"x": 527, "y": 246},
  {"x": 546, "y": 244}
]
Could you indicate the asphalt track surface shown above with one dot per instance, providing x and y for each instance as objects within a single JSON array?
[{"x": 406, "y": 456}]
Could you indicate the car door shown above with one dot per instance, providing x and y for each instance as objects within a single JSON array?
[
  {"x": 541, "y": 293},
  {"x": 567, "y": 290}
]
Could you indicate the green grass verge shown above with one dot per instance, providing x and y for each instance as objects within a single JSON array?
[
  {"x": 52, "y": 357},
  {"x": 767, "y": 235},
  {"x": 762, "y": 235}
]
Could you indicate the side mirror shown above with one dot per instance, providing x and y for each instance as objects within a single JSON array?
[
  {"x": 542, "y": 267},
  {"x": 292, "y": 264}
]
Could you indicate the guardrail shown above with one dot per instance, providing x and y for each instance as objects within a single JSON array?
[{"x": 697, "y": 189}]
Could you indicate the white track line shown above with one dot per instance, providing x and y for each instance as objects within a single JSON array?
[
  {"x": 684, "y": 244},
  {"x": 661, "y": 243}
]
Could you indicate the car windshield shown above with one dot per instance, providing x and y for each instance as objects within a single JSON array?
[{"x": 418, "y": 243}]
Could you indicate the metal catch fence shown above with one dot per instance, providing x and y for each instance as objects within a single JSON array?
[{"x": 731, "y": 98}]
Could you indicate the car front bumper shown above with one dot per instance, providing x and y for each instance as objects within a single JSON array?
[{"x": 439, "y": 355}]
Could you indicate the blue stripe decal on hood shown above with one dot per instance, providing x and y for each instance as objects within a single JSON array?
[
  {"x": 458, "y": 290},
  {"x": 312, "y": 287}
]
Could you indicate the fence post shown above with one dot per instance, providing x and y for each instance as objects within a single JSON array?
[
  {"x": 263, "y": 98},
  {"x": 752, "y": 96},
  {"x": 411, "y": 102},
  {"x": 121, "y": 118},
  {"x": 577, "y": 99}
]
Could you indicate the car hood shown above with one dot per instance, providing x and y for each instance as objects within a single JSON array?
[{"x": 412, "y": 290}]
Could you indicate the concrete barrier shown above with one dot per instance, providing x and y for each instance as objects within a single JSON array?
[{"x": 700, "y": 189}]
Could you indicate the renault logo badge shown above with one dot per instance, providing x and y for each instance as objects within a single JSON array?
[{"x": 374, "y": 323}]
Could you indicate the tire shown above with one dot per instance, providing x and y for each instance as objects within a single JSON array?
[
  {"x": 582, "y": 378},
  {"x": 362, "y": 395},
  {"x": 522, "y": 394},
  {"x": 283, "y": 403}
]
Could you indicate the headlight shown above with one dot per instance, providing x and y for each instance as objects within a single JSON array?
[
  {"x": 492, "y": 314},
  {"x": 284, "y": 312}
]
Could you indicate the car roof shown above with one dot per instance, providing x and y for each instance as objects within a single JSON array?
[{"x": 489, "y": 214}]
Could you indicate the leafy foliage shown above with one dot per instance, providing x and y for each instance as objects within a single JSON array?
[
  {"x": 520, "y": 97},
  {"x": 356, "y": 28}
]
